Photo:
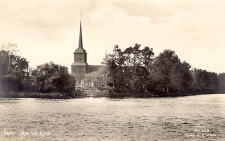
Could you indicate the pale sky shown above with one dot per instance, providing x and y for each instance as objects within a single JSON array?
[{"x": 48, "y": 30}]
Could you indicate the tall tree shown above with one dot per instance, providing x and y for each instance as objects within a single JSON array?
[
  {"x": 128, "y": 67},
  {"x": 169, "y": 75},
  {"x": 13, "y": 69}
]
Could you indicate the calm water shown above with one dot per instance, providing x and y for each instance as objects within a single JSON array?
[{"x": 184, "y": 118}]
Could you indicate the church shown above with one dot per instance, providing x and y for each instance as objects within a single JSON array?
[
  {"x": 86, "y": 75},
  {"x": 80, "y": 65}
]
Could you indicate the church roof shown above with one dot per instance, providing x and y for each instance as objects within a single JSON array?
[
  {"x": 95, "y": 70},
  {"x": 80, "y": 48}
]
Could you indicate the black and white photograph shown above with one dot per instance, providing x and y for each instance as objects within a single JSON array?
[{"x": 112, "y": 70}]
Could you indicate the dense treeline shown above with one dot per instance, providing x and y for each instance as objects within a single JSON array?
[
  {"x": 133, "y": 72},
  {"x": 204, "y": 82},
  {"x": 15, "y": 74},
  {"x": 136, "y": 72}
]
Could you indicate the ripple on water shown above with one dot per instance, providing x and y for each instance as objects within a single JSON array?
[{"x": 114, "y": 119}]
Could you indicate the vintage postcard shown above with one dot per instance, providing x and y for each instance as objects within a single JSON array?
[{"x": 111, "y": 70}]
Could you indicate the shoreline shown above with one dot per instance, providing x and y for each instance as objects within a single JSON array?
[
  {"x": 52, "y": 95},
  {"x": 73, "y": 95}
]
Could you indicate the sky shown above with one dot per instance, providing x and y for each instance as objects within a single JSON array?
[{"x": 48, "y": 30}]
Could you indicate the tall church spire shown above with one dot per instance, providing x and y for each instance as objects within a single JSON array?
[
  {"x": 80, "y": 48},
  {"x": 80, "y": 38},
  {"x": 79, "y": 66}
]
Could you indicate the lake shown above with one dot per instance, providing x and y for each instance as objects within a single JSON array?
[{"x": 200, "y": 117}]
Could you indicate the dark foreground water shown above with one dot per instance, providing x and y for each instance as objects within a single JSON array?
[{"x": 194, "y": 118}]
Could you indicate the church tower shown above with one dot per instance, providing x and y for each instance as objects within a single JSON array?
[{"x": 79, "y": 66}]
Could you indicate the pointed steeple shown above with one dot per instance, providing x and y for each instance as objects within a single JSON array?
[
  {"x": 80, "y": 48},
  {"x": 79, "y": 66},
  {"x": 80, "y": 38}
]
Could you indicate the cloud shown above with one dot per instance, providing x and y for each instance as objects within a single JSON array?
[
  {"x": 50, "y": 29},
  {"x": 154, "y": 9},
  {"x": 43, "y": 18}
]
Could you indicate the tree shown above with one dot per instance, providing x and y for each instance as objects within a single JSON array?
[
  {"x": 51, "y": 77},
  {"x": 128, "y": 67},
  {"x": 13, "y": 69},
  {"x": 169, "y": 75},
  {"x": 221, "y": 81},
  {"x": 204, "y": 82},
  {"x": 181, "y": 78},
  {"x": 4, "y": 62}
]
